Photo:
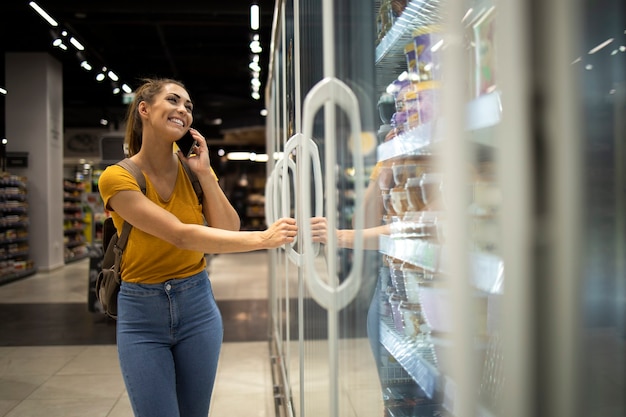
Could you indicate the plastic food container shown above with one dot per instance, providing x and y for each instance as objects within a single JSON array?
[
  {"x": 412, "y": 321},
  {"x": 428, "y": 43},
  {"x": 429, "y": 101},
  {"x": 395, "y": 300}
]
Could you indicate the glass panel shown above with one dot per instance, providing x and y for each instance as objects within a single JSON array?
[
  {"x": 416, "y": 293},
  {"x": 601, "y": 67}
]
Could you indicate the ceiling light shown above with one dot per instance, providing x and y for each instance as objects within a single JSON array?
[
  {"x": 254, "y": 67},
  {"x": 116, "y": 90},
  {"x": 238, "y": 156},
  {"x": 100, "y": 77},
  {"x": 264, "y": 112},
  {"x": 3, "y": 91},
  {"x": 126, "y": 89},
  {"x": 43, "y": 14},
  {"x": 86, "y": 65},
  {"x": 113, "y": 76},
  {"x": 77, "y": 44},
  {"x": 254, "y": 17}
]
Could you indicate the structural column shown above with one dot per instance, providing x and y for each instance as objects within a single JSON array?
[{"x": 34, "y": 124}]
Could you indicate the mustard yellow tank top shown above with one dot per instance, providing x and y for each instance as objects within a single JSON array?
[{"x": 148, "y": 259}]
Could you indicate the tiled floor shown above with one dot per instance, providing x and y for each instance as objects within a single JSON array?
[{"x": 40, "y": 375}]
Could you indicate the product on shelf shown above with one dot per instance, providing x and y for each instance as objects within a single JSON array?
[{"x": 428, "y": 43}]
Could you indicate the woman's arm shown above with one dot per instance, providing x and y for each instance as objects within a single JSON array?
[
  {"x": 370, "y": 236},
  {"x": 216, "y": 208},
  {"x": 138, "y": 210},
  {"x": 345, "y": 237}
]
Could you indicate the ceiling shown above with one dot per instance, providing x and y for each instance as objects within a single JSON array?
[{"x": 203, "y": 44}]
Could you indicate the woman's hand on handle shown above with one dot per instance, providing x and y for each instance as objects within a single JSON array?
[
  {"x": 281, "y": 232},
  {"x": 319, "y": 230}
]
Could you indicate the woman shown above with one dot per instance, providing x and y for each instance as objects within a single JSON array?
[{"x": 169, "y": 329}]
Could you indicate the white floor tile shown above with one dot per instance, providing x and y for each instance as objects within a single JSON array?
[
  {"x": 60, "y": 407},
  {"x": 18, "y": 387},
  {"x": 80, "y": 387}
]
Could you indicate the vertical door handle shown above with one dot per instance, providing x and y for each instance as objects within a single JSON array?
[
  {"x": 331, "y": 92},
  {"x": 295, "y": 144},
  {"x": 269, "y": 197}
]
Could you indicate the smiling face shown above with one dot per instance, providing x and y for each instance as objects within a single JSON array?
[{"x": 170, "y": 110}]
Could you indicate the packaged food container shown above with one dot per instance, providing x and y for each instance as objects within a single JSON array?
[
  {"x": 411, "y": 58},
  {"x": 428, "y": 43},
  {"x": 414, "y": 194},
  {"x": 412, "y": 320},
  {"x": 431, "y": 184},
  {"x": 395, "y": 275},
  {"x": 394, "y": 301},
  {"x": 399, "y": 202},
  {"x": 386, "y": 196},
  {"x": 404, "y": 169},
  {"x": 429, "y": 101},
  {"x": 385, "y": 177},
  {"x": 411, "y": 108},
  {"x": 414, "y": 277},
  {"x": 386, "y": 107}
]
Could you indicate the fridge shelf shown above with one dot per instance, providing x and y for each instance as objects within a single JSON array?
[
  {"x": 389, "y": 54},
  {"x": 417, "y": 252},
  {"x": 487, "y": 270},
  {"x": 482, "y": 112},
  {"x": 418, "y": 359}
]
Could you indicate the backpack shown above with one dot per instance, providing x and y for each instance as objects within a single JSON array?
[{"x": 108, "y": 282}]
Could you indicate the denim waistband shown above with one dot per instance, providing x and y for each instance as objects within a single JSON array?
[{"x": 172, "y": 285}]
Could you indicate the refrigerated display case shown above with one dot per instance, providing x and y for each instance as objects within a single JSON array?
[{"x": 442, "y": 142}]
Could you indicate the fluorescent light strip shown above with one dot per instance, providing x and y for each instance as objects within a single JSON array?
[
  {"x": 43, "y": 14},
  {"x": 77, "y": 44},
  {"x": 254, "y": 17}
]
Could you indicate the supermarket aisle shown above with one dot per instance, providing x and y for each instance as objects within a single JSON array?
[{"x": 58, "y": 359}]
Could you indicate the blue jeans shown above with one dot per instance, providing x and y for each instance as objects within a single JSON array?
[{"x": 169, "y": 337}]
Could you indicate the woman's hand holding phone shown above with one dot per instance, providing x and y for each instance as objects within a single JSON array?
[{"x": 187, "y": 144}]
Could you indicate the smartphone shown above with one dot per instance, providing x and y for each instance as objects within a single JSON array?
[{"x": 186, "y": 144}]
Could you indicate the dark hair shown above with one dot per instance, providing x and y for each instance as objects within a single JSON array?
[{"x": 146, "y": 92}]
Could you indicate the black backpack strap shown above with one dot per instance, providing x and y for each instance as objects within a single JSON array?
[{"x": 194, "y": 180}]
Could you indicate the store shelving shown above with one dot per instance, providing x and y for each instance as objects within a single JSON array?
[
  {"x": 15, "y": 262},
  {"x": 74, "y": 221}
]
